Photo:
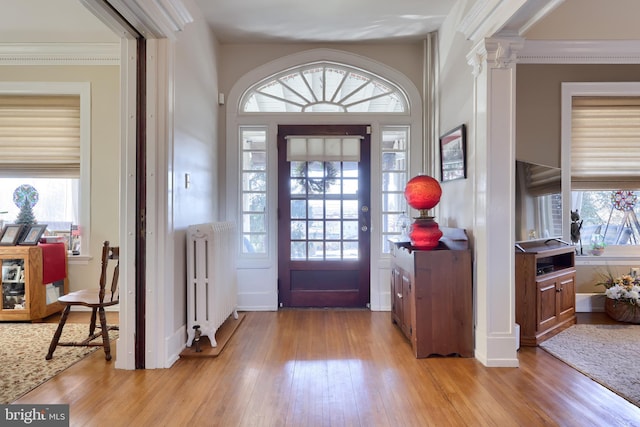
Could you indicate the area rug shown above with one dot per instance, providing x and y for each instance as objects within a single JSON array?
[
  {"x": 23, "y": 347},
  {"x": 607, "y": 354}
]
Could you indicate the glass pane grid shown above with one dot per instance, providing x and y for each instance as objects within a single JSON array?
[
  {"x": 394, "y": 178},
  {"x": 320, "y": 223},
  {"x": 325, "y": 87},
  {"x": 254, "y": 190}
]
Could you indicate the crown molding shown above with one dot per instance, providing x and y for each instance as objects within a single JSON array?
[
  {"x": 580, "y": 52},
  {"x": 59, "y": 53},
  {"x": 154, "y": 18}
]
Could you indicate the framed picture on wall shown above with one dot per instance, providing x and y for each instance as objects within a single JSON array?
[{"x": 453, "y": 154}]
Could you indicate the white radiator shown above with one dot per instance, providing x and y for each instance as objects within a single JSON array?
[{"x": 212, "y": 292}]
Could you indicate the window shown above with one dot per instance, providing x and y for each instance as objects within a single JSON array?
[
  {"x": 324, "y": 88},
  {"x": 57, "y": 202},
  {"x": 44, "y": 143},
  {"x": 604, "y": 154},
  {"x": 610, "y": 214},
  {"x": 395, "y": 169},
  {"x": 254, "y": 190}
]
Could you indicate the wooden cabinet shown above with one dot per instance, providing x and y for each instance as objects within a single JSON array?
[
  {"x": 545, "y": 290},
  {"x": 24, "y": 296},
  {"x": 431, "y": 299}
]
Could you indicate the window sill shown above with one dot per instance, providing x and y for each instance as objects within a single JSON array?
[
  {"x": 78, "y": 259},
  {"x": 613, "y": 255}
]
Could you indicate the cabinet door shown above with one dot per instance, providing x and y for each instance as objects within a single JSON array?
[
  {"x": 546, "y": 304},
  {"x": 396, "y": 296},
  {"x": 406, "y": 304},
  {"x": 14, "y": 291},
  {"x": 566, "y": 296}
]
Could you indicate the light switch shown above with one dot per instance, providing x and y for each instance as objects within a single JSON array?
[{"x": 187, "y": 180}]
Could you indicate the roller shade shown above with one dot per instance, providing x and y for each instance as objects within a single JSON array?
[
  {"x": 323, "y": 148},
  {"x": 40, "y": 136},
  {"x": 605, "y": 143}
]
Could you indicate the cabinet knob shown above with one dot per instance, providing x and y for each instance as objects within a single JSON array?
[{"x": 399, "y": 295}]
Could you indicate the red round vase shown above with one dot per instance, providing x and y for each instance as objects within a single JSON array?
[
  {"x": 422, "y": 192},
  {"x": 425, "y": 234}
]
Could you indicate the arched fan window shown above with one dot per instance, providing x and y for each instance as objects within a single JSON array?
[{"x": 324, "y": 87}]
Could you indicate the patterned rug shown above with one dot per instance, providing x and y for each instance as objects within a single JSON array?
[
  {"x": 608, "y": 354},
  {"x": 23, "y": 347}
]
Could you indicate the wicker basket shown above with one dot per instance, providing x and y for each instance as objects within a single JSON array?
[{"x": 622, "y": 311}]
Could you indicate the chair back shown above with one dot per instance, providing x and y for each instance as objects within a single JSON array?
[{"x": 110, "y": 270}]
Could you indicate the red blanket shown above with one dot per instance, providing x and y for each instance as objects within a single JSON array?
[{"x": 54, "y": 267}]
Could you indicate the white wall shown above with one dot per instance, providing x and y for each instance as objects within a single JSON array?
[
  {"x": 196, "y": 148},
  {"x": 455, "y": 106}
]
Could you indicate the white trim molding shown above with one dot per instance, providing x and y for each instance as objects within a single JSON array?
[
  {"x": 506, "y": 18},
  {"x": 59, "y": 53},
  {"x": 154, "y": 18},
  {"x": 580, "y": 52}
]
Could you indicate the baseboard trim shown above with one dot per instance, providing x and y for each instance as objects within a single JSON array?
[{"x": 590, "y": 302}]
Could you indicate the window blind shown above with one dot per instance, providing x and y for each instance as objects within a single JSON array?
[
  {"x": 323, "y": 148},
  {"x": 605, "y": 143},
  {"x": 40, "y": 136}
]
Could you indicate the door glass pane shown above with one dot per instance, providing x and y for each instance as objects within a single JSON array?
[
  {"x": 333, "y": 230},
  {"x": 350, "y": 230},
  {"x": 298, "y": 250},
  {"x": 316, "y": 250},
  {"x": 316, "y": 230},
  {"x": 316, "y": 209},
  {"x": 298, "y": 185},
  {"x": 350, "y": 250},
  {"x": 350, "y": 209},
  {"x": 298, "y": 209},
  {"x": 350, "y": 186},
  {"x": 298, "y": 230},
  {"x": 324, "y": 210},
  {"x": 333, "y": 208},
  {"x": 333, "y": 250}
]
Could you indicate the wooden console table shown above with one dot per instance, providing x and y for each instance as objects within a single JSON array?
[{"x": 25, "y": 295}]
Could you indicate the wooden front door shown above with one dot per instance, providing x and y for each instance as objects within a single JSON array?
[{"x": 323, "y": 220}]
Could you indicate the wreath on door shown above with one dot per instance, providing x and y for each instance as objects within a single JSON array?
[{"x": 317, "y": 185}]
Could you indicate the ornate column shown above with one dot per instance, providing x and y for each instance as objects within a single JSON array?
[{"x": 493, "y": 134}]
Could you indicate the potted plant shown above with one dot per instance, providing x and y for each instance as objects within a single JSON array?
[{"x": 622, "y": 301}]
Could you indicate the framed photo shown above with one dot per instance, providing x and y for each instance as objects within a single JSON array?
[
  {"x": 33, "y": 234},
  {"x": 453, "y": 154},
  {"x": 10, "y": 234},
  {"x": 11, "y": 273}
]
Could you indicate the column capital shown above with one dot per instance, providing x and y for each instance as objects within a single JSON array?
[{"x": 495, "y": 53}]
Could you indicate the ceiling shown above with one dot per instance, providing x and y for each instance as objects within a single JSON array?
[
  {"x": 323, "y": 21},
  {"x": 240, "y": 21},
  {"x": 295, "y": 21}
]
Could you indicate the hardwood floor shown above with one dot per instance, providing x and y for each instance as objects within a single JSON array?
[{"x": 334, "y": 368}]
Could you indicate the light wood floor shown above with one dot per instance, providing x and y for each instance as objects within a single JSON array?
[{"x": 333, "y": 368}]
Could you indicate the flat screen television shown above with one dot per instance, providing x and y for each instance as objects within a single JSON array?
[{"x": 538, "y": 202}]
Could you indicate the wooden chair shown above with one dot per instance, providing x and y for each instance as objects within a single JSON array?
[{"x": 97, "y": 300}]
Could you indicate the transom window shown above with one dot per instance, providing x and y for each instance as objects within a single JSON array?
[{"x": 324, "y": 87}]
